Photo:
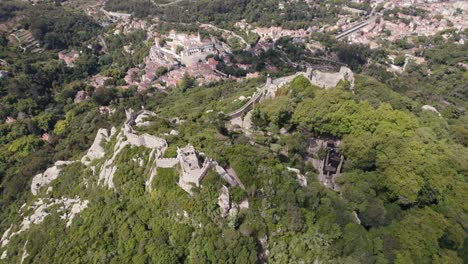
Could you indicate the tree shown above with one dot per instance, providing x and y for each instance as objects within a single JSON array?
[
  {"x": 186, "y": 82},
  {"x": 400, "y": 60},
  {"x": 301, "y": 88},
  {"x": 278, "y": 112},
  {"x": 104, "y": 96},
  {"x": 160, "y": 71},
  {"x": 418, "y": 235},
  {"x": 22, "y": 146},
  {"x": 355, "y": 55},
  {"x": 179, "y": 49}
]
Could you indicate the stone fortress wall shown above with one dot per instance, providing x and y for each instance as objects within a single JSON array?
[
  {"x": 318, "y": 78},
  {"x": 192, "y": 169},
  {"x": 166, "y": 162}
]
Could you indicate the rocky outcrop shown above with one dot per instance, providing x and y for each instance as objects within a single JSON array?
[
  {"x": 127, "y": 136},
  {"x": 149, "y": 182},
  {"x": 430, "y": 108},
  {"x": 231, "y": 179},
  {"x": 356, "y": 218},
  {"x": 227, "y": 206},
  {"x": 224, "y": 202},
  {"x": 140, "y": 120},
  {"x": 69, "y": 208},
  {"x": 43, "y": 179},
  {"x": 5, "y": 237},
  {"x": 106, "y": 174},
  {"x": 244, "y": 204},
  {"x": 25, "y": 253},
  {"x": 96, "y": 151},
  {"x": 301, "y": 179}
]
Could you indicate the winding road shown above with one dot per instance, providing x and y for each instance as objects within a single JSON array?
[
  {"x": 167, "y": 4},
  {"x": 247, "y": 45}
]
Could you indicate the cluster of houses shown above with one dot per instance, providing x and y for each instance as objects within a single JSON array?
[
  {"x": 275, "y": 33},
  {"x": 69, "y": 57},
  {"x": 441, "y": 16},
  {"x": 175, "y": 54},
  {"x": 181, "y": 54}
]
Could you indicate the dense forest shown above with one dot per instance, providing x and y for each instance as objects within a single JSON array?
[
  {"x": 57, "y": 28},
  {"x": 403, "y": 185},
  {"x": 296, "y": 14},
  {"x": 416, "y": 218}
]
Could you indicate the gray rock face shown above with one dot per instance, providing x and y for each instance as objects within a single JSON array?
[
  {"x": 5, "y": 237},
  {"x": 43, "y": 179},
  {"x": 224, "y": 202},
  {"x": 356, "y": 217},
  {"x": 96, "y": 151},
  {"x": 228, "y": 207},
  {"x": 193, "y": 170},
  {"x": 106, "y": 174},
  {"x": 244, "y": 204},
  {"x": 430, "y": 108},
  {"x": 127, "y": 136},
  {"x": 301, "y": 179},
  {"x": 69, "y": 208},
  {"x": 72, "y": 207},
  {"x": 223, "y": 173},
  {"x": 25, "y": 253},
  {"x": 140, "y": 120}
]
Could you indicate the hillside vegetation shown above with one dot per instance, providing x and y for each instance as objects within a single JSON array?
[{"x": 402, "y": 190}]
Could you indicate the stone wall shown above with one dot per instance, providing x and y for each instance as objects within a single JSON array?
[
  {"x": 225, "y": 175},
  {"x": 192, "y": 171},
  {"x": 318, "y": 78},
  {"x": 329, "y": 80},
  {"x": 193, "y": 177},
  {"x": 145, "y": 140},
  {"x": 167, "y": 162}
]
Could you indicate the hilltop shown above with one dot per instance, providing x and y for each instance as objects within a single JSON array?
[{"x": 221, "y": 131}]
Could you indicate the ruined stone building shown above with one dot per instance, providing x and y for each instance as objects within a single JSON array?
[
  {"x": 193, "y": 167},
  {"x": 330, "y": 167}
]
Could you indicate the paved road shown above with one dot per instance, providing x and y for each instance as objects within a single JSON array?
[
  {"x": 167, "y": 4},
  {"x": 247, "y": 45}
]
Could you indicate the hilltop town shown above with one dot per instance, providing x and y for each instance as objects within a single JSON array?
[
  {"x": 203, "y": 57},
  {"x": 179, "y": 58}
]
